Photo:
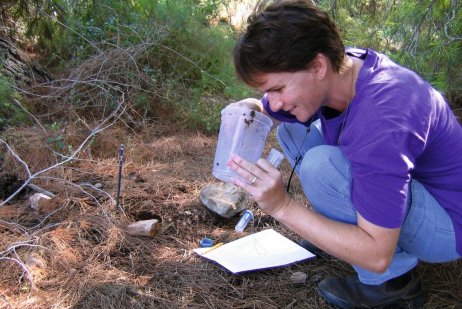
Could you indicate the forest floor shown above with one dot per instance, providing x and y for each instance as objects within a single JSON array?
[{"x": 78, "y": 254}]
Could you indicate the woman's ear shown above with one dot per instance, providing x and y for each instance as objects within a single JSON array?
[{"x": 319, "y": 66}]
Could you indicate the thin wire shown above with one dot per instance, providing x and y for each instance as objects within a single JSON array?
[
  {"x": 297, "y": 160},
  {"x": 299, "y": 156},
  {"x": 348, "y": 104},
  {"x": 119, "y": 176}
]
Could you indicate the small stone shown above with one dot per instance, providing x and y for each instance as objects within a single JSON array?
[
  {"x": 298, "y": 277},
  {"x": 37, "y": 267},
  {"x": 224, "y": 199},
  {"x": 35, "y": 259},
  {"x": 43, "y": 203},
  {"x": 37, "y": 199}
]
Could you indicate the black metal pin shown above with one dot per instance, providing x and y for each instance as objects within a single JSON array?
[{"x": 119, "y": 178}]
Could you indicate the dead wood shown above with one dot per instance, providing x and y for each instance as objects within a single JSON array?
[
  {"x": 148, "y": 228},
  {"x": 15, "y": 64}
]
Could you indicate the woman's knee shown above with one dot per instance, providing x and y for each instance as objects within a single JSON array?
[
  {"x": 287, "y": 135},
  {"x": 325, "y": 171}
]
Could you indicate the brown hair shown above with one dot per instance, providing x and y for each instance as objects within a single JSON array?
[{"x": 285, "y": 36}]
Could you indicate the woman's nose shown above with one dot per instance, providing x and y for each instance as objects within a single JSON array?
[{"x": 275, "y": 102}]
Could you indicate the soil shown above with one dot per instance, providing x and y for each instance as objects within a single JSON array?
[{"x": 78, "y": 254}]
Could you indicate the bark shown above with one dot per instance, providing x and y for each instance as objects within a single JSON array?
[{"x": 15, "y": 65}]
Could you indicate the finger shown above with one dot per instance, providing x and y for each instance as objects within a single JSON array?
[
  {"x": 266, "y": 166},
  {"x": 244, "y": 164},
  {"x": 244, "y": 185},
  {"x": 250, "y": 103},
  {"x": 243, "y": 181},
  {"x": 263, "y": 164},
  {"x": 244, "y": 168}
]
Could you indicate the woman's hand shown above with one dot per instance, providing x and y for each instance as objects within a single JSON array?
[
  {"x": 250, "y": 103},
  {"x": 262, "y": 181},
  {"x": 255, "y": 105}
]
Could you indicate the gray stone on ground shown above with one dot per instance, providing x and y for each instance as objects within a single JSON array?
[
  {"x": 298, "y": 277},
  {"x": 224, "y": 199}
]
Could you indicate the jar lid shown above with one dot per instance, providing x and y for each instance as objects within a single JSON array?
[{"x": 206, "y": 242}]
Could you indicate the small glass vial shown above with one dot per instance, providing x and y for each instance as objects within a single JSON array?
[
  {"x": 275, "y": 157},
  {"x": 246, "y": 217}
]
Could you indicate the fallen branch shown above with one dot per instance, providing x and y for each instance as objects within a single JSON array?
[
  {"x": 40, "y": 190},
  {"x": 148, "y": 228},
  {"x": 102, "y": 126}
]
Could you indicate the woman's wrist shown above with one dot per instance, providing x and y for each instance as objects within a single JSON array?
[{"x": 279, "y": 213}]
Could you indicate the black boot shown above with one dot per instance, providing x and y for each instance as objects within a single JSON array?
[{"x": 405, "y": 291}]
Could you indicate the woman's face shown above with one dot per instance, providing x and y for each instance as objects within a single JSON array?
[{"x": 298, "y": 93}]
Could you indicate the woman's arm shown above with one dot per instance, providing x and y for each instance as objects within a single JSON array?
[{"x": 365, "y": 244}]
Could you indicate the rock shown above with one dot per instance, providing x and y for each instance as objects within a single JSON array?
[
  {"x": 224, "y": 199},
  {"x": 298, "y": 277},
  {"x": 43, "y": 203},
  {"x": 37, "y": 200},
  {"x": 37, "y": 267}
]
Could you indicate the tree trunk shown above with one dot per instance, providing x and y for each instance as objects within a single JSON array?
[{"x": 15, "y": 65}]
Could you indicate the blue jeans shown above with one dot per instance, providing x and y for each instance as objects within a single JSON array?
[{"x": 427, "y": 233}]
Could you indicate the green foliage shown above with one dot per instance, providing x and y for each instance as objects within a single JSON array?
[
  {"x": 423, "y": 35},
  {"x": 56, "y": 140},
  {"x": 10, "y": 113},
  {"x": 196, "y": 58},
  {"x": 189, "y": 64},
  {"x": 189, "y": 61}
]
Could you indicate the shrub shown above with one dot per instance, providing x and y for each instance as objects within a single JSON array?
[
  {"x": 10, "y": 112},
  {"x": 421, "y": 35},
  {"x": 189, "y": 62}
]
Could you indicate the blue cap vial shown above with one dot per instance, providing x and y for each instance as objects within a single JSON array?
[
  {"x": 206, "y": 242},
  {"x": 245, "y": 219}
]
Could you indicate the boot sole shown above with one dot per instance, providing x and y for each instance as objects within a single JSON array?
[{"x": 411, "y": 303}]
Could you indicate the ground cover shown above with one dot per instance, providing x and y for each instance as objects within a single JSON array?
[{"x": 78, "y": 255}]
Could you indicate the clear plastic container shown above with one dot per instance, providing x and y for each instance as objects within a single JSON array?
[{"x": 243, "y": 132}]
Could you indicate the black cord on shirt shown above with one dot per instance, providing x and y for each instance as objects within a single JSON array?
[{"x": 298, "y": 158}]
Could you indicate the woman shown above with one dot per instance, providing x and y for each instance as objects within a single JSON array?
[{"x": 376, "y": 148}]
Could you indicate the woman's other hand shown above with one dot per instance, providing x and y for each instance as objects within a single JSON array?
[
  {"x": 250, "y": 103},
  {"x": 255, "y": 105},
  {"x": 262, "y": 181}
]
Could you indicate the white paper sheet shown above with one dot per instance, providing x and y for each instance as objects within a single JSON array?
[{"x": 264, "y": 249}]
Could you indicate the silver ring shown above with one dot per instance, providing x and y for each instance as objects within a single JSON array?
[{"x": 253, "y": 180}]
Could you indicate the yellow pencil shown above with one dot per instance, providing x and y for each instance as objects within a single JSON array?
[{"x": 213, "y": 248}]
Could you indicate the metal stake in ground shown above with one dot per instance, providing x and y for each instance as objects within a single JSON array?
[{"x": 119, "y": 178}]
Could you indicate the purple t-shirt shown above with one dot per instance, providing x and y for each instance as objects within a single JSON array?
[{"x": 397, "y": 128}]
